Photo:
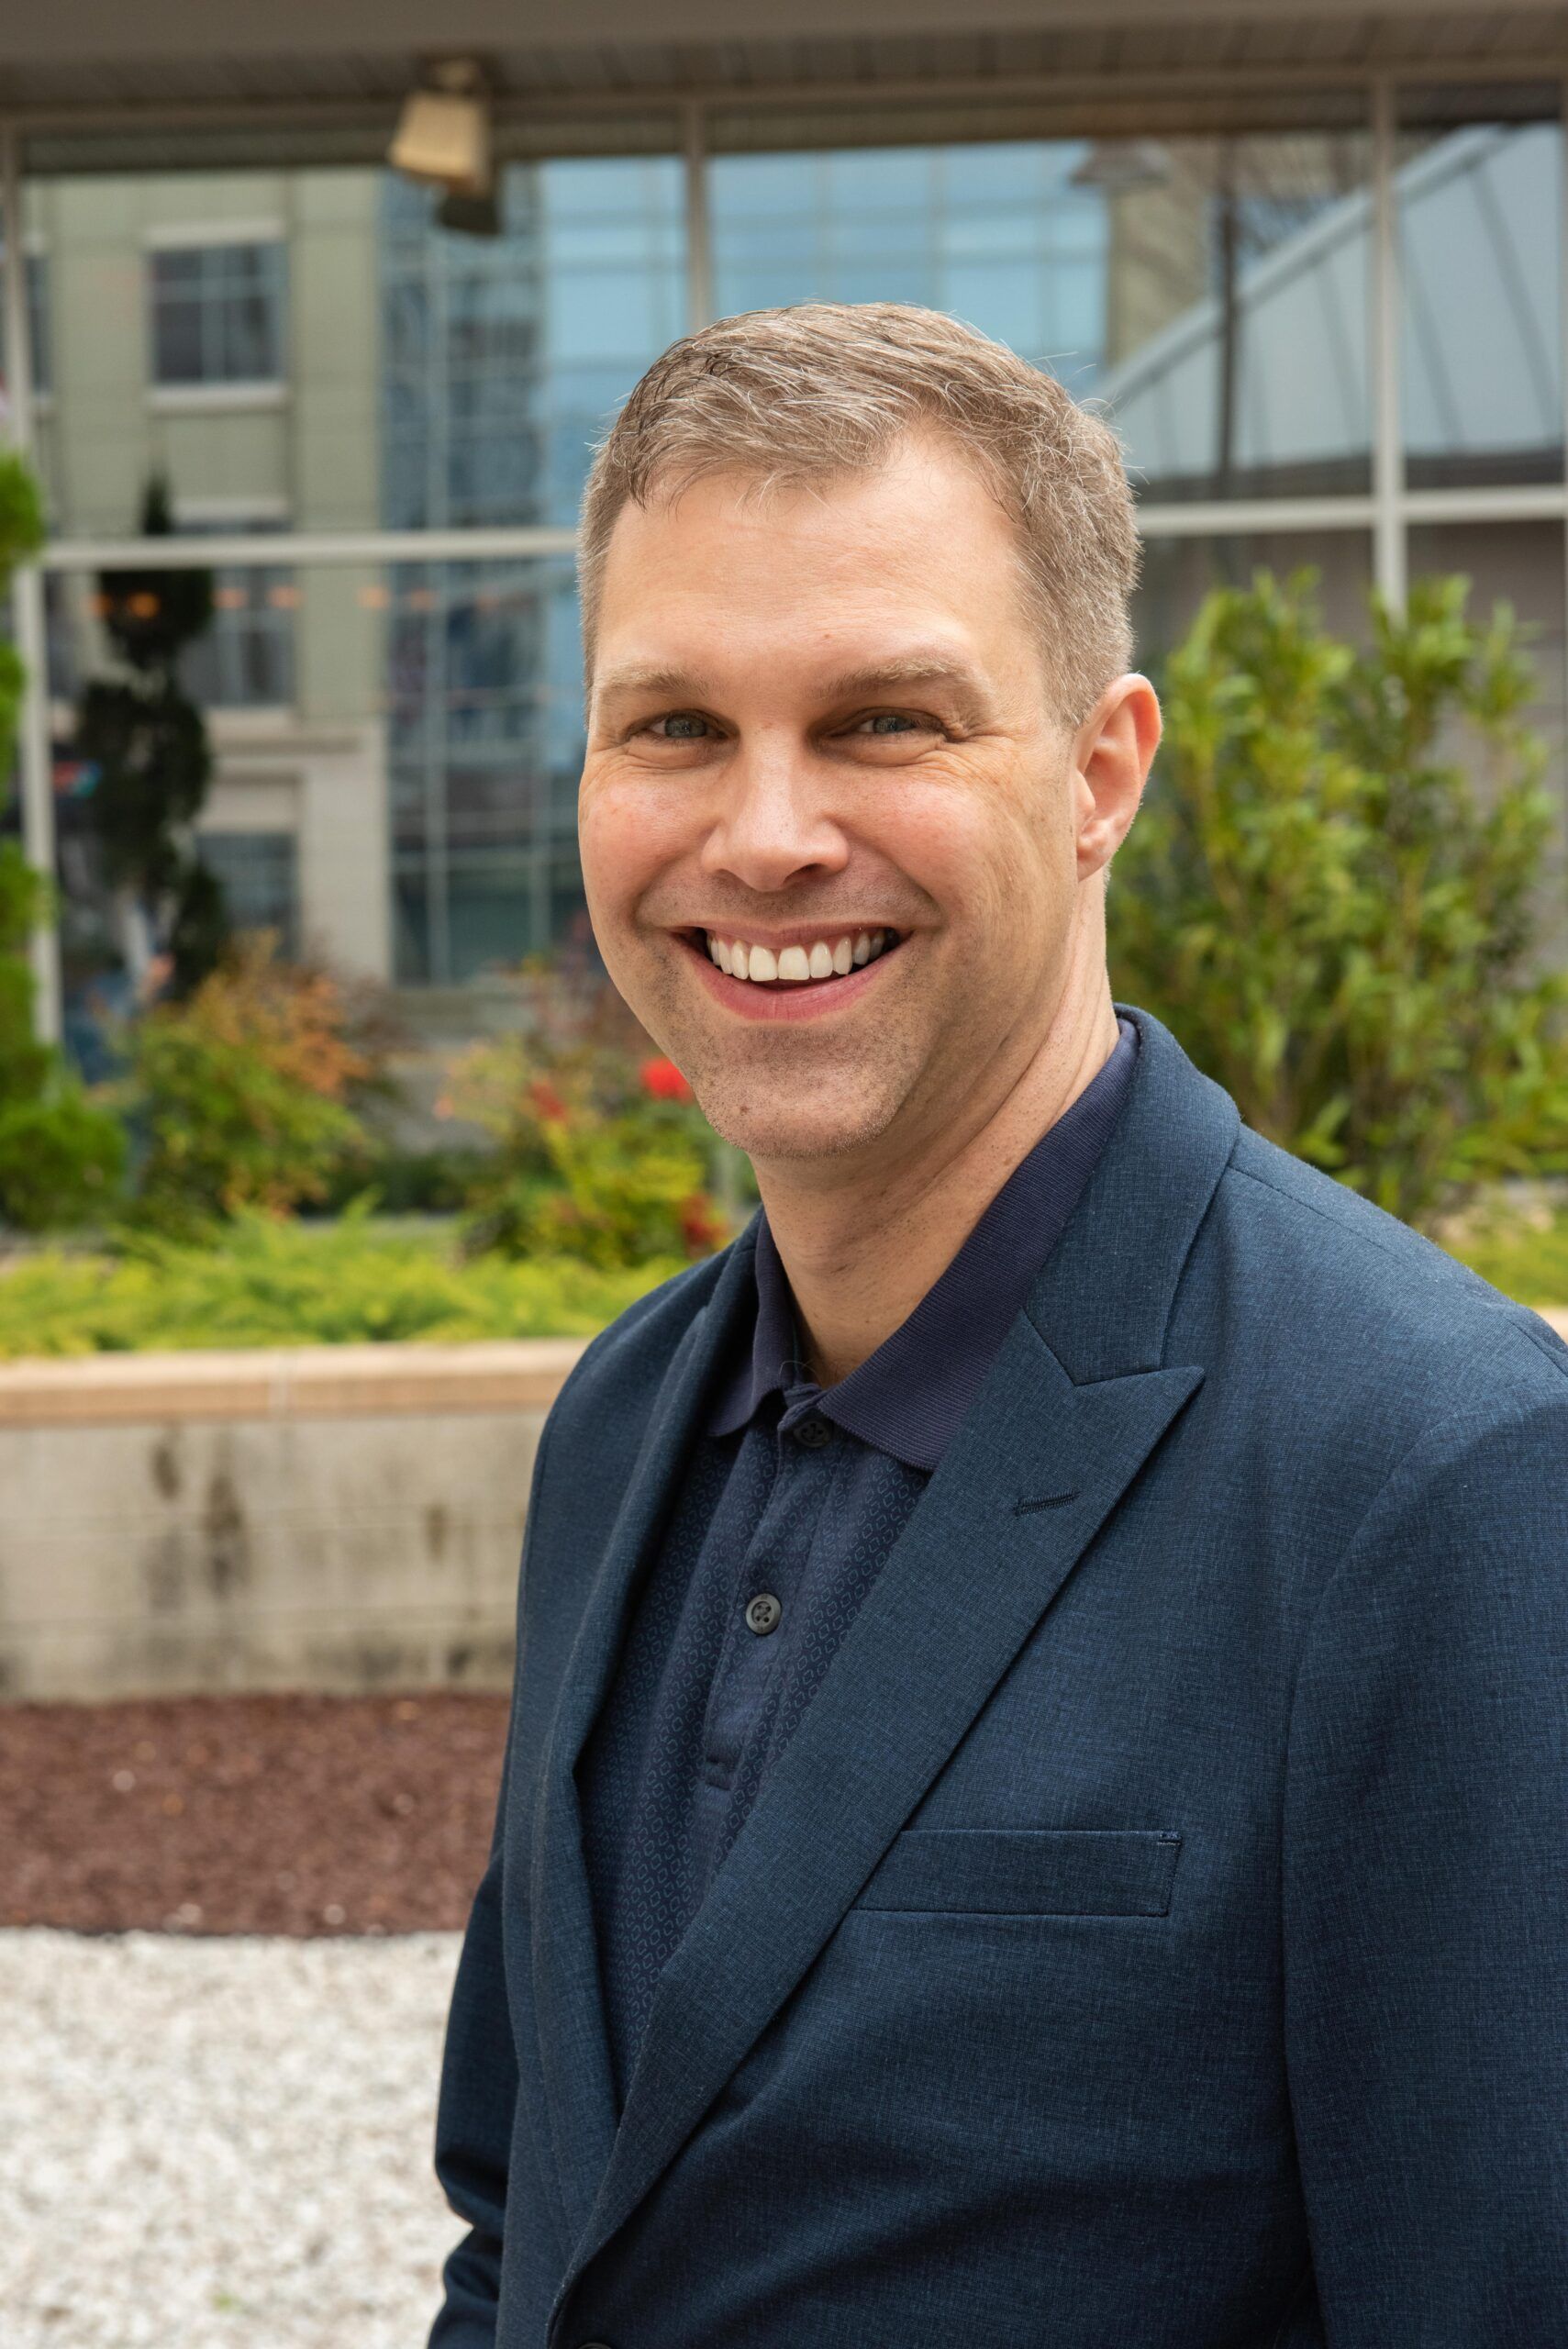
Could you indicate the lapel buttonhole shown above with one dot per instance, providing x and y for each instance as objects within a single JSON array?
[{"x": 1046, "y": 1501}]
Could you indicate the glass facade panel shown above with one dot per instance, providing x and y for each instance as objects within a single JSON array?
[
  {"x": 1213, "y": 292},
  {"x": 1480, "y": 212},
  {"x": 506, "y": 356},
  {"x": 483, "y": 747}
]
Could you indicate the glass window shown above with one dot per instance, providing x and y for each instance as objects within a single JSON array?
[
  {"x": 505, "y": 357},
  {"x": 36, "y": 270},
  {"x": 217, "y": 313},
  {"x": 258, "y": 874},
  {"x": 1480, "y": 212},
  {"x": 1212, "y": 292},
  {"x": 484, "y": 747},
  {"x": 245, "y": 659}
]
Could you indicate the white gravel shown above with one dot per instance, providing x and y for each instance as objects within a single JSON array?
[{"x": 208, "y": 2142}]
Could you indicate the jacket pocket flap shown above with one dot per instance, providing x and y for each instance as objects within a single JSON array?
[{"x": 1029, "y": 1872}]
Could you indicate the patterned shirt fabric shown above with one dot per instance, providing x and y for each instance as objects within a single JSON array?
[{"x": 794, "y": 1497}]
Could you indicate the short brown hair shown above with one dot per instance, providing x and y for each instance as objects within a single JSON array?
[{"x": 798, "y": 394}]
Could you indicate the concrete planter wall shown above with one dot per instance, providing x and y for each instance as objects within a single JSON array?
[{"x": 342, "y": 1518}]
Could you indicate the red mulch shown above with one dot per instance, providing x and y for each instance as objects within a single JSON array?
[{"x": 284, "y": 1814}]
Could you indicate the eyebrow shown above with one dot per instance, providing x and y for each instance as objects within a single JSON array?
[
  {"x": 916, "y": 668},
  {"x": 919, "y": 667},
  {"x": 651, "y": 677}
]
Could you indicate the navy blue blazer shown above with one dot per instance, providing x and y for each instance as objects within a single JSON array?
[{"x": 1156, "y": 1930}]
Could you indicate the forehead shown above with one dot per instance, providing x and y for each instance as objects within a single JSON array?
[{"x": 921, "y": 540}]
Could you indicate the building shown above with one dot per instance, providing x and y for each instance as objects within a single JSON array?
[{"x": 1313, "y": 264}]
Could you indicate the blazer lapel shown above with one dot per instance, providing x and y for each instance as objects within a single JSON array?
[
  {"x": 573, "y": 2041},
  {"x": 1057, "y": 1433}
]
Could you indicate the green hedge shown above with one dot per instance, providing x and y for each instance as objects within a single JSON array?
[{"x": 290, "y": 1284}]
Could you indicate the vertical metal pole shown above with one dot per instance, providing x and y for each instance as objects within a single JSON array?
[
  {"x": 33, "y": 756},
  {"x": 699, "y": 245},
  {"x": 1387, "y": 433},
  {"x": 1562, "y": 363}
]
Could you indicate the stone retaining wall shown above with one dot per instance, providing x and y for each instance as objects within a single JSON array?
[
  {"x": 339, "y": 1517},
  {"x": 342, "y": 1518}
]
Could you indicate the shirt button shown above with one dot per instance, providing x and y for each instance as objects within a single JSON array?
[
  {"x": 764, "y": 1614},
  {"x": 814, "y": 1433}
]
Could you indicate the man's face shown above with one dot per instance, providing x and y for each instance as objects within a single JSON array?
[{"x": 821, "y": 749}]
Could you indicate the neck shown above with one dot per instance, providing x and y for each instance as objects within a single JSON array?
[{"x": 862, "y": 1250}]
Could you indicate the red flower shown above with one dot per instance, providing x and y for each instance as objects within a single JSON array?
[
  {"x": 663, "y": 1080},
  {"x": 546, "y": 1101}
]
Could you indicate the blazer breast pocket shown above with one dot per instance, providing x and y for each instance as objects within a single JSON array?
[{"x": 1027, "y": 1872}]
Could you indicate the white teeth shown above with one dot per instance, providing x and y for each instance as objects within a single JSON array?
[{"x": 794, "y": 966}]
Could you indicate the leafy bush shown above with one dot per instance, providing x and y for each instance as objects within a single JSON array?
[
  {"x": 277, "y": 1282},
  {"x": 1332, "y": 913},
  {"x": 596, "y": 1158},
  {"x": 241, "y": 1091},
  {"x": 61, "y": 1155}
]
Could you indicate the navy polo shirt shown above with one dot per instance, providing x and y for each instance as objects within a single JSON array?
[{"x": 792, "y": 1498}]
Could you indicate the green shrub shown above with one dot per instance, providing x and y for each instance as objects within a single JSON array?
[
  {"x": 278, "y": 1282},
  {"x": 61, "y": 1158},
  {"x": 1333, "y": 914},
  {"x": 241, "y": 1091},
  {"x": 596, "y": 1157}
]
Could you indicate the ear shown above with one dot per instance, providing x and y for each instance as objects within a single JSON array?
[{"x": 1112, "y": 753}]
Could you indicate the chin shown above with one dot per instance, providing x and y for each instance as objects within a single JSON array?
[{"x": 783, "y": 1128}]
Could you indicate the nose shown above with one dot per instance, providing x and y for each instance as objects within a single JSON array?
[{"x": 773, "y": 826}]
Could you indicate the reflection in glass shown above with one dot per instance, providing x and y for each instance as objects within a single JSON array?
[
  {"x": 505, "y": 357},
  {"x": 1212, "y": 291},
  {"x": 1480, "y": 211}
]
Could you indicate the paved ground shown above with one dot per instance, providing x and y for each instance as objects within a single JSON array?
[{"x": 211, "y": 2144}]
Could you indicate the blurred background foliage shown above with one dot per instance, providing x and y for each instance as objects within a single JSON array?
[{"x": 1333, "y": 893}]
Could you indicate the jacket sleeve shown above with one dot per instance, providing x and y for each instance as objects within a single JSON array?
[
  {"x": 479, "y": 2077},
  {"x": 1426, "y": 1896}
]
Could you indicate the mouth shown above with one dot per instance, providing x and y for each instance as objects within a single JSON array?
[{"x": 792, "y": 981}]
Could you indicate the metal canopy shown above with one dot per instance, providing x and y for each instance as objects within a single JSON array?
[{"x": 326, "y": 74}]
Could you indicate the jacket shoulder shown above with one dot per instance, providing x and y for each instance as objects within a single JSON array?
[{"x": 1353, "y": 1282}]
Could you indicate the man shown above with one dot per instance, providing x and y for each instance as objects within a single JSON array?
[{"x": 1035, "y": 1808}]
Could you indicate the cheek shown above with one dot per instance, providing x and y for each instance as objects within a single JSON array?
[{"x": 627, "y": 835}]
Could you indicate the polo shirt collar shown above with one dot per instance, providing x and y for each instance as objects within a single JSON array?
[{"x": 908, "y": 1397}]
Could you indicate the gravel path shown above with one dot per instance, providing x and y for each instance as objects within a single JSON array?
[{"x": 206, "y": 2144}]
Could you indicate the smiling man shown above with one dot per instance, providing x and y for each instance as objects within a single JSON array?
[{"x": 1037, "y": 1793}]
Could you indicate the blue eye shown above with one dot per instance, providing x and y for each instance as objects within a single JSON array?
[
  {"x": 683, "y": 725},
  {"x": 891, "y": 722}
]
